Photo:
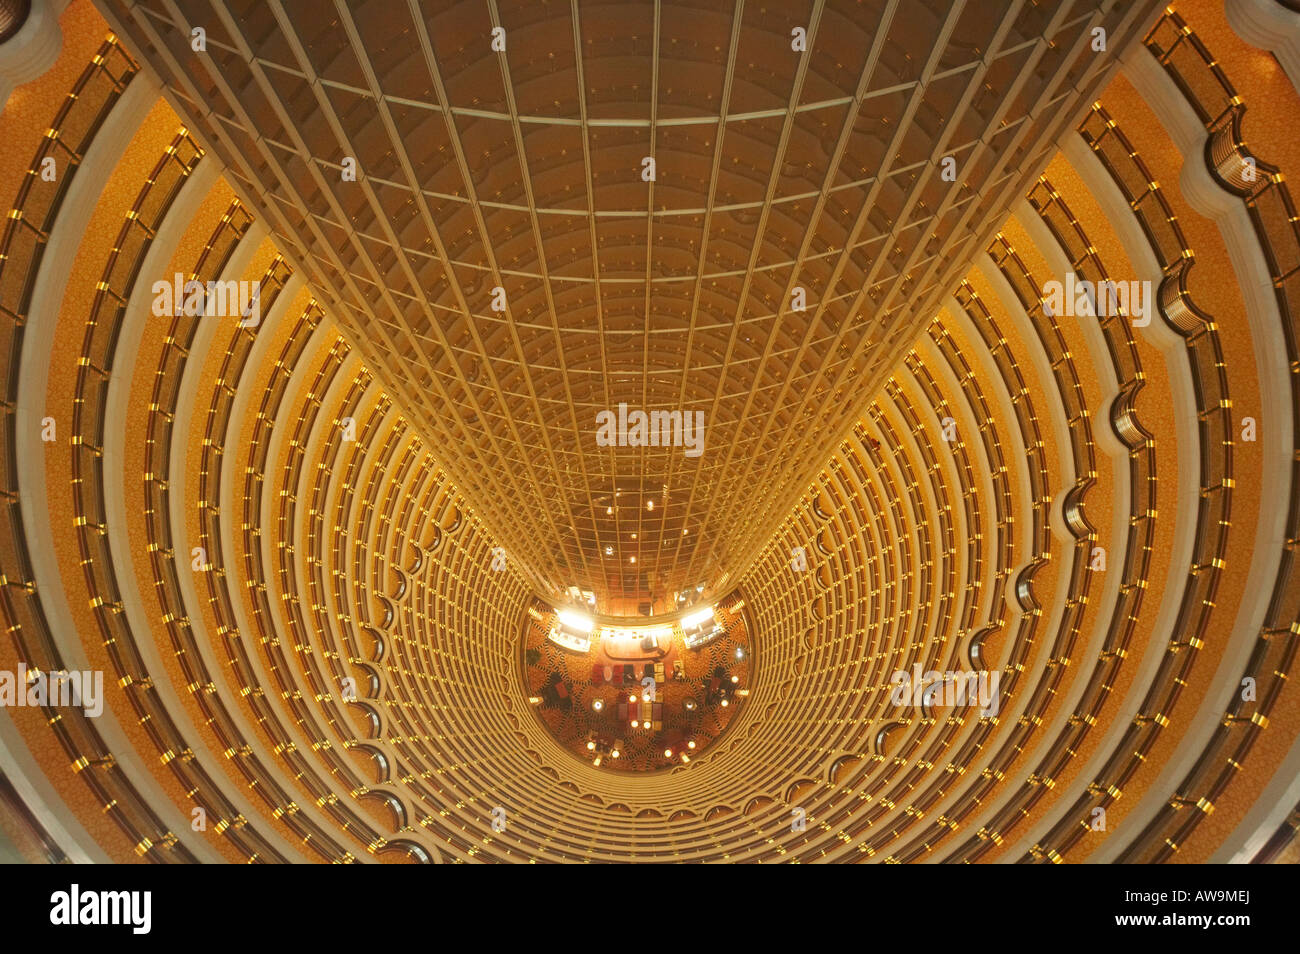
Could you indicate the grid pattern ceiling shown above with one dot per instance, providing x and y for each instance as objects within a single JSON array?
[{"x": 778, "y": 172}]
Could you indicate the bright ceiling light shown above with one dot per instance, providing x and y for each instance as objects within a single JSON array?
[
  {"x": 695, "y": 619},
  {"x": 583, "y": 624}
]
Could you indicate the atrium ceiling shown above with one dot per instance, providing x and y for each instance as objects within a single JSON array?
[{"x": 736, "y": 214}]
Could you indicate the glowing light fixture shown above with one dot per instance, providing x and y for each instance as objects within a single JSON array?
[
  {"x": 696, "y": 619},
  {"x": 583, "y": 624}
]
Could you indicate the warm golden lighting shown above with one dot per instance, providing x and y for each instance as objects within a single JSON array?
[{"x": 846, "y": 281}]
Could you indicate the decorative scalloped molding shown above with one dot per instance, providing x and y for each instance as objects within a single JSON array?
[
  {"x": 31, "y": 51},
  {"x": 1208, "y": 198},
  {"x": 1270, "y": 26}
]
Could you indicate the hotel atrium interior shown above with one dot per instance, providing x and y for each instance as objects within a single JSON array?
[{"x": 543, "y": 431}]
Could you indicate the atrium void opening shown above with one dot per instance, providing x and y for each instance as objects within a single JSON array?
[{"x": 638, "y": 697}]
